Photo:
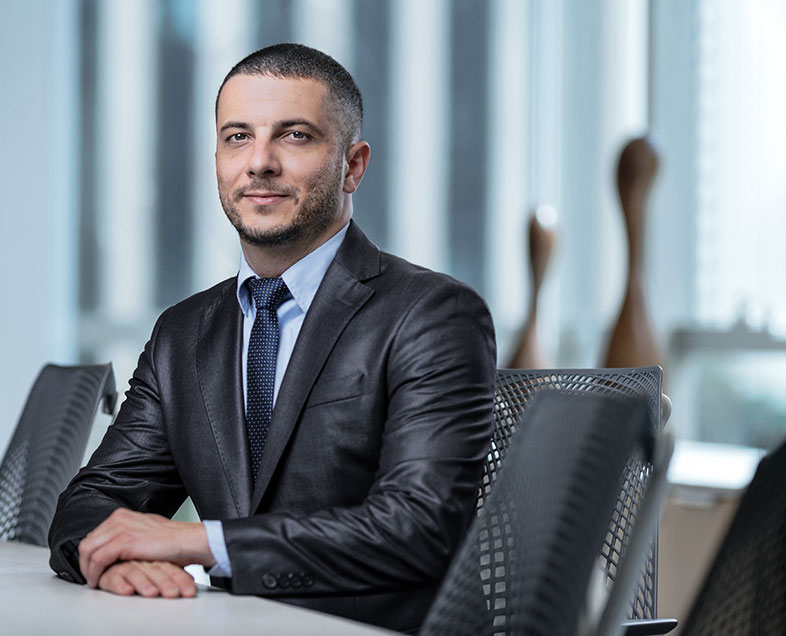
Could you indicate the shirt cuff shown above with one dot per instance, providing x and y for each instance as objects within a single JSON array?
[{"x": 218, "y": 548}]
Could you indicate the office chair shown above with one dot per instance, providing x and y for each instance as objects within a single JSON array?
[
  {"x": 47, "y": 446},
  {"x": 744, "y": 592},
  {"x": 514, "y": 390},
  {"x": 526, "y": 563}
]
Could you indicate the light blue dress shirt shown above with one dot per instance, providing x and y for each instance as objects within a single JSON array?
[{"x": 302, "y": 279}]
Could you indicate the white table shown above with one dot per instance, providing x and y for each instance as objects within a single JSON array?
[{"x": 34, "y": 601}]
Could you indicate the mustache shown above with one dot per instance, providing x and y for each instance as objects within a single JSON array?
[{"x": 265, "y": 185}]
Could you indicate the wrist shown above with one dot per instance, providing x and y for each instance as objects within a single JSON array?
[{"x": 194, "y": 547}]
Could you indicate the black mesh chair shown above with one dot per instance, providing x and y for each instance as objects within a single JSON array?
[
  {"x": 744, "y": 592},
  {"x": 47, "y": 446},
  {"x": 528, "y": 557},
  {"x": 515, "y": 389}
]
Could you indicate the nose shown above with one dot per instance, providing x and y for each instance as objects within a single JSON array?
[{"x": 263, "y": 160}]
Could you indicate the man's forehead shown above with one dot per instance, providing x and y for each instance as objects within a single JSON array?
[{"x": 256, "y": 91}]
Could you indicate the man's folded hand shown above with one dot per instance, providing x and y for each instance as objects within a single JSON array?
[
  {"x": 148, "y": 578},
  {"x": 134, "y": 536}
]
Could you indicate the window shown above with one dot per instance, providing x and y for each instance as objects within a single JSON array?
[{"x": 726, "y": 187}]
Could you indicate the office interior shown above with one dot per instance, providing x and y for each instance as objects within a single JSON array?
[{"x": 478, "y": 112}]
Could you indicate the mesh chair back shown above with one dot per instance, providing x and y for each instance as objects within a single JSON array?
[
  {"x": 47, "y": 446},
  {"x": 514, "y": 391},
  {"x": 744, "y": 593},
  {"x": 525, "y": 564}
]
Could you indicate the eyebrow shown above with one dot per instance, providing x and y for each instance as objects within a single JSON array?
[
  {"x": 297, "y": 122},
  {"x": 234, "y": 124},
  {"x": 285, "y": 123}
]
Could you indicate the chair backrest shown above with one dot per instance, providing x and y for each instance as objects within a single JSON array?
[
  {"x": 515, "y": 389},
  {"x": 744, "y": 592},
  {"x": 527, "y": 559},
  {"x": 46, "y": 448}
]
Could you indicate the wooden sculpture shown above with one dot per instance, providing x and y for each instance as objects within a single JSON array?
[
  {"x": 542, "y": 234},
  {"x": 633, "y": 341}
]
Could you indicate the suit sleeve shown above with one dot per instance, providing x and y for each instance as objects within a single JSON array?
[
  {"x": 132, "y": 468},
  {"x": 440, "y": 376}
]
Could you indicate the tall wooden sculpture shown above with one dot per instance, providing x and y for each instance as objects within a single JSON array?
[
  {"x": 633, "y": 341},
  {"x": 542, "y": 234}
]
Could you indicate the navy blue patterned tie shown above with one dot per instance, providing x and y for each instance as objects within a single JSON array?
[{"x": 268, "y": 294}]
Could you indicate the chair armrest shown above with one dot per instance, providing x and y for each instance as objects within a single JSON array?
[{"x": 665, "y": 409}]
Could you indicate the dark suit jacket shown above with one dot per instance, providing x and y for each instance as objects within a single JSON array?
[{"x": 374, "y": 454}]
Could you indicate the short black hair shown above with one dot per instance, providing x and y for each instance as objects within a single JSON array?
[{"x": 289, "y": 60}]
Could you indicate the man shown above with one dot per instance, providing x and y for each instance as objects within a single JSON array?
[{"x": 352, "y": 495}]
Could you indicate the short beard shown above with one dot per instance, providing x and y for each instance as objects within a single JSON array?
[{"x": 314, "y": 215}]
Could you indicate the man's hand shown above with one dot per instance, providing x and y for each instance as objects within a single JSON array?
[
  {"x": 134, "y": 536},
  {"x": 148, "y": 578}
]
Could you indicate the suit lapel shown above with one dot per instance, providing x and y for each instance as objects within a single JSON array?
[
  {"x": 340, "y": 296},
  {"x": 219, "y": 370}
]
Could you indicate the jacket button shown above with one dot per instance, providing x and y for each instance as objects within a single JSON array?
[
  {"x": 284, "y": 581},
  {"x": 308, "y": 580},
  {"x": 269, "y": 581}
]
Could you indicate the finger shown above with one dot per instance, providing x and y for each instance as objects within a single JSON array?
[
  {"x": 102, "y": 534},
  {"x": 185, "y": 582},
  {"x": 172, "y": 580},
  {"x": 87, "y": 547},
  {"x": 104, "y": 557},
  {"x": 159, "y": 574},
  {"x": 114, "y": 581},
  {"x": 139, "y": 577}
]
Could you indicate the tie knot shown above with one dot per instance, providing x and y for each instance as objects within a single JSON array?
[{"x": 268, "y": 292}]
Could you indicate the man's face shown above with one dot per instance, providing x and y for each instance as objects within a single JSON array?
[{"x": 278, "y": 160}]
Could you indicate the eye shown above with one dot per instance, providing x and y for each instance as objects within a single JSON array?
[
  {"x": 297, "y": 135},
  {"x": 238, "y": 136}
]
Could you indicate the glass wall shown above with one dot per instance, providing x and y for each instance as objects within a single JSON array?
[
  {"x": 720, "y": 212},
  {"x": 478, "y": 111}
]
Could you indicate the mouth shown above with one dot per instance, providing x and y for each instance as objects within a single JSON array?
[{"x": 264, "y": 197}]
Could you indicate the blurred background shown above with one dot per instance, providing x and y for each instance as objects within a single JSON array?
[{"x": 478, "y": 111}]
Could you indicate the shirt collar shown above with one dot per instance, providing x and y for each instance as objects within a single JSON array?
[{"x": 302, "y": 278}]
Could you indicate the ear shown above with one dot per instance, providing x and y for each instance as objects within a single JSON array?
[{"x": 357, "y": 161}]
